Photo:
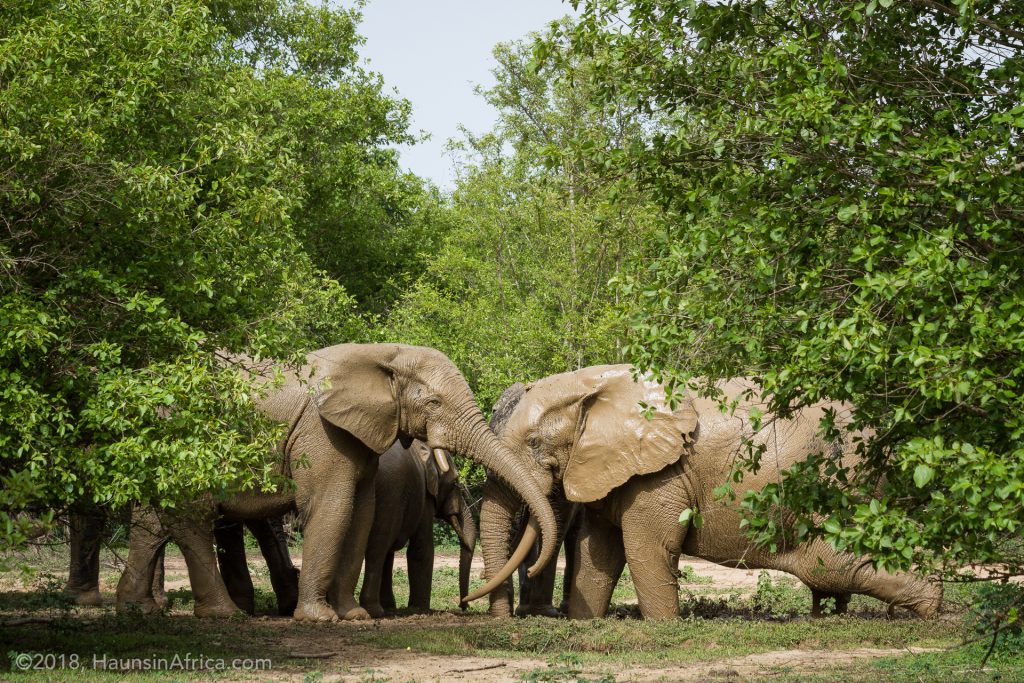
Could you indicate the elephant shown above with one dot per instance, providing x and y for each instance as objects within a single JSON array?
[
  {"x": 85, "y": 535},
  {"x": 270, "y": 536},
  {"x": 343, "y": 408},
  {"x": 536, "y": 595},
  {"x": 612, "y": 444},
  {"x": 413, "y": 489},
  {"x": 149, "y": 536}
]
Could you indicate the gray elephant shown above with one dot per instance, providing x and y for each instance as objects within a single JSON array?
[
  {"x": 589, "y": 432},
  {"x": 413, "y": 489},
  {"x": 346, "y": 406},
  {"x": 149, "y": 536},
  {"x": 273, "y": 544},
  {"x": 85, "y": 536}
]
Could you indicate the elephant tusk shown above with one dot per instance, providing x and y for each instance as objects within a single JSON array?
[
  {"x": 457, "y": 525},
  {"x": 441, "y": 458},
  {"x": 525, "y": 546}
]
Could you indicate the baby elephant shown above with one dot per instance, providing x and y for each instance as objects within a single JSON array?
[{"x": 414, "y": 487}]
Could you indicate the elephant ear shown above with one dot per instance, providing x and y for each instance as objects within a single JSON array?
[
  {"x": 615, "y": 440},
  {"x": 431, "y": 476},
  {"x": 354, "y": 390}
]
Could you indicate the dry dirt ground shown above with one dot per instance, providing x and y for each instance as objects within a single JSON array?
[{"x": 337, "y": 656}]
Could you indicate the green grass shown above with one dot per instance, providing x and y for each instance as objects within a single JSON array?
[{"x": 693, "y": 639}]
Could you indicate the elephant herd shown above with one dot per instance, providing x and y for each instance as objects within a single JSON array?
[{"x": 593, "y": 458}]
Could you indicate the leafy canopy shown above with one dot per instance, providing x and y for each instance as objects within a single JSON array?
[
  {"x": 844, "y": 187},
  {"x": 166, "y": 171}
]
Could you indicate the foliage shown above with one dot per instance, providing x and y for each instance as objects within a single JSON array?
[
  {"x": 518, "y": 288},
  {"x": 163, "y": 170},
  {"x": 777, "y": 598},
  {"x": 843, "y": 188},
  {"x": 564, "y": 667},
  {"x": 997, "y": 616}
]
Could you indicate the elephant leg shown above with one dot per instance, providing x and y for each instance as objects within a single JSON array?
[
  {"x": 230, "y": 537},
  {"x": 527, "y": 586},
  {"x": 841, "y": 602},
  {"x": 420, "y": 558},
  {"x": 284, "y": 577},
  {"x": 321, "y": 532},
  {"x": 195, "y": 539},
  {"x": 652, "y": 553},
  {"x": 497, "y": 536},
  {"x": 833, "y": 574},
  {"x": 387, "y": 588},
  {"x": 571, "y": 534},
  {"x": 600, "y": 559},
  {"x": 86, "y": 532},
  {"x": 377, "y": 572},
  {"x": 536, "y": 595},
  {"x": 353, "y": 546},
  {"x": 146, "y": 542}
]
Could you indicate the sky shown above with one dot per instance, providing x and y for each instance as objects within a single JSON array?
[{"x": 434, "y": 52}]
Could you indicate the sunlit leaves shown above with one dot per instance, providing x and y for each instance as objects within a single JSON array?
[
  {"x": 164, "y": 167},
  {"x": 844, "y": 188}
]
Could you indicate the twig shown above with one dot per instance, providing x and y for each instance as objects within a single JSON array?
[
  {"x": 313, "y": 655},
  {"x": 476, "y": 668},
  {"x": 26, "y": 620}
]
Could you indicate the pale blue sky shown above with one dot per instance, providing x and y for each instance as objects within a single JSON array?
[{"x": 434, "y": 52}]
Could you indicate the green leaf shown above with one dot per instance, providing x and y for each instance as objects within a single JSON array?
[{"x": 922, "y": 475}]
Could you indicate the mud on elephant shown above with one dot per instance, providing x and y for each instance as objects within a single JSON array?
[
  {"x": 413, "y": 489},
  {"x": 588, "y": 432},
  {"x": 347, "y": 405}
]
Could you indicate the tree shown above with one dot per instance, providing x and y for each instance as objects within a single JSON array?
[
  {"x": 163, "y": 168},
  {"x": 844, "y": 186},
  {"x": 519, "y": 287}
]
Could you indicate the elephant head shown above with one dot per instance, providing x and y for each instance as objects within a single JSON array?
[
  {"x": 383, "y": 392},
  {"x": 588, "y": 431},
  {"x": 450, "y": 501}
]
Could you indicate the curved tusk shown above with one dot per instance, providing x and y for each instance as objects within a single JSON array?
[
  {"x": 457, "y": 525},
  {"x": 524, "y": 548},
  {"x": 440, "y": 457}
]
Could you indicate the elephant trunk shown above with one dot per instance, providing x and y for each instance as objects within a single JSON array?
[
  {"x": 524, "y": 548},
  {"x": 467, "y": 544},
  {"x": 478, "y": 442},
  {"x": 497, "y": 517}
]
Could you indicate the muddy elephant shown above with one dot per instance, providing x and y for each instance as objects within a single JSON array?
[
  {"x": 536, "y": 594},
  {"x": 589, "y": 430},
  {"x": 149, "y": 536},
  {"x": 342, "y": 409},
  {"x": 412, "y": 490}
]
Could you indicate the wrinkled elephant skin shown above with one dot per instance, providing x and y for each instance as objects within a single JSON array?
[
  {"x": 347, "y": 405},
  {"x": 414, "y": 488},
  {"x": 636, "y": 476}
]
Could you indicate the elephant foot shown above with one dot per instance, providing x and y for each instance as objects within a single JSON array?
[
  {"x": 375, "y": 611},
  {"x": 354, "y": 614},
  {"x": 218, "y": 611},
  {"x": 315, "y": 611},
  {"x": 87, "y": 598},
  {"x": 286, "y": 608},
  {"x": 146, "y": 606},
  {"x": 537, "y": 611}
]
